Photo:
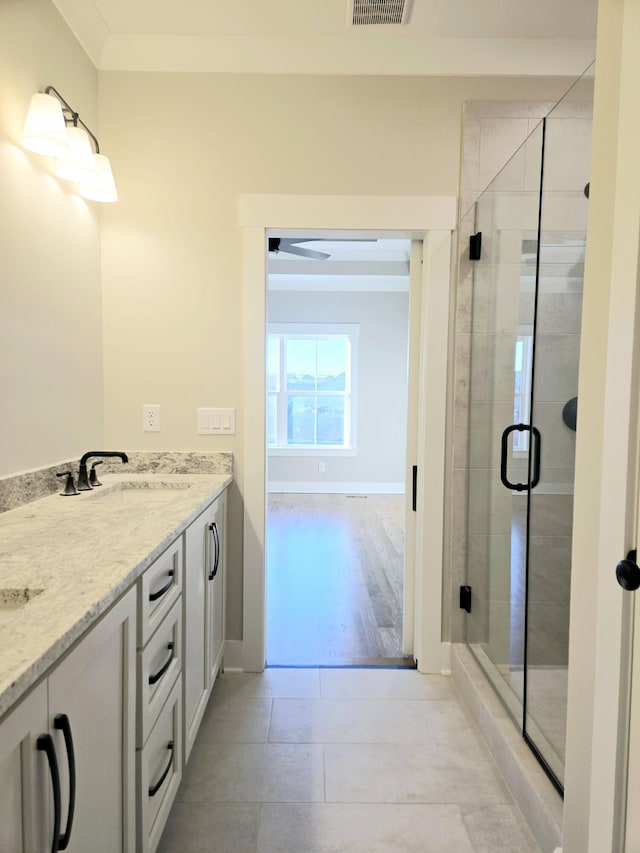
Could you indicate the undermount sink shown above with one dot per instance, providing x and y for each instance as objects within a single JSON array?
[
  {"x": 13, "y": 600},
  {"x": 145, "y": 491}
]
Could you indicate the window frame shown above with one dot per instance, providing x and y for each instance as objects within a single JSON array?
[{"x": 313, "y": 331}]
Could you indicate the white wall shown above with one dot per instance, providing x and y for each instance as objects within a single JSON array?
[
  {"x": 381, "y": 414},
  {"x": 50, "y": 305}
]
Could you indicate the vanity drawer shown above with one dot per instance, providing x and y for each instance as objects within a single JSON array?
[
  {"x": 159, "y": 770},
  {"x": 159, "y": 664},
  {"x": 159, "y": 588}
]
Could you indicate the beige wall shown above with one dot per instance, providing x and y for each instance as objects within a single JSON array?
[
  {"x": 50, "y": 305},
  {"x": 183, "y": 147}
]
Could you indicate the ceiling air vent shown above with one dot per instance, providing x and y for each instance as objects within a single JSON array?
[{"x": 364, "y": 13}]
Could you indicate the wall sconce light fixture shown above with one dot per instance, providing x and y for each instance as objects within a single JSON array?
[{"x": 55, "y": 129}]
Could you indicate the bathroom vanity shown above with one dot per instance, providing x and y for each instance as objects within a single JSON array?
[{"x": 112, "y": 630}]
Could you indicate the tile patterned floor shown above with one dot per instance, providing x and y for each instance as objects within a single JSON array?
[{"x": 333, "y": 760}]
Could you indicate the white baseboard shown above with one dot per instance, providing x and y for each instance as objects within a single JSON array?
[
  {"x": 445, "y": 658},
  {"x": 233, "y": 652},
  {"x": 324, "y": 488}
]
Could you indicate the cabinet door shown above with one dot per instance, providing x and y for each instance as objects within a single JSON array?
[
  {"x": 197, "y": 562},
  {"x": 25, "y": 780},
  {"x": 216, "y": 590},
  {"x": 94, "y": 686}
]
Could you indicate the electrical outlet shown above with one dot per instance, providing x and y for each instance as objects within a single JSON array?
[
  {"x": 321, "y": 467},
  {"x": 151, "y": 417}
]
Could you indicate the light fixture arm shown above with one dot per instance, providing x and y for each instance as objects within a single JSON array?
[{"x": 70, "y": 115}]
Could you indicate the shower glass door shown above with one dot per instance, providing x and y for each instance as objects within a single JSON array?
[
  {"x": 525, "y": 343},
  {"x": 503, "y": 448},
  {"x": 563, "y": 227}
]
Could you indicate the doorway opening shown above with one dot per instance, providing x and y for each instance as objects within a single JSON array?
[{"x": 337, "y": 387}]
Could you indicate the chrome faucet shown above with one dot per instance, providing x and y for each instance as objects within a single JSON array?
[{"x": 83, "y": 481}]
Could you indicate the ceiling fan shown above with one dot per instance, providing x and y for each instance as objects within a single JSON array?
[{"x": 291, "y": 247}]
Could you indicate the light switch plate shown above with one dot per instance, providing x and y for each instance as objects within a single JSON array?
[{"x": 216, "y": 421}]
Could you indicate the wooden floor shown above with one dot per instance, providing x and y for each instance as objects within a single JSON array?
[{"x": 335, "y": 568}]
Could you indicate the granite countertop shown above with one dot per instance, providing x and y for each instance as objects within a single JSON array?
[{"x": 83, "y": 553}]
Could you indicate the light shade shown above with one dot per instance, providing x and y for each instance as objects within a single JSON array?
[
  {"x": 77, "y": 163},
  {"x": 101, "y": 186},
  {"x": 44, "y": 130}
]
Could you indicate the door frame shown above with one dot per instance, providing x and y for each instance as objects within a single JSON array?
[{"x": 431, "y": 219}]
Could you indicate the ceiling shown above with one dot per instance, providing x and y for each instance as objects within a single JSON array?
[
  {"x": 441, "y": 37},
  {"x": 364, "y": 264}
]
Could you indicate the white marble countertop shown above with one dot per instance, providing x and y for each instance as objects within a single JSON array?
[{"x": 83, "y": 552}]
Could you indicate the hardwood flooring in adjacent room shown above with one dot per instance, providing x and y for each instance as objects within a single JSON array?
[{"x": 335, "y": 567}]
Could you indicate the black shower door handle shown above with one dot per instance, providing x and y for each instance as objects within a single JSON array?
[{"x": 535, "y": 468}]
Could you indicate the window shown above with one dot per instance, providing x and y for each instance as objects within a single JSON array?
[
  {"x": 310, "y": 386},
  {"x": 522, "y": 390}
]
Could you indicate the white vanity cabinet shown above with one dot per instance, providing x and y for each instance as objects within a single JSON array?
[
  {"x": 204, "y": 609},
  {"x": 83, "y": 714}
]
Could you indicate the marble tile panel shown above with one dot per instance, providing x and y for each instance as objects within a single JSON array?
[
  {"x": 214, "y": 828},
  {"x": 559, "y": 313},
  {"x": 487, "y": 422},
  {"x": 411, "y": 773},
  {"x": 329, "y": 828},
  {"x": 556, "y": 367},
  {"x": 558, "y": 445},
  {"x": 253, "y": 773},
  {"x": 499, "y": 138},
  {"x": 567, "y": 161}
]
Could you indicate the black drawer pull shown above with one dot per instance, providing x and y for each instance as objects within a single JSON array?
[
  {"x": 164, "y": 668},
  {"x": 213, "y": 527},
  {"x": 153, "y": 790},
  {"x": 45, "y": 743},
  {"x": 154, "y": 596},
  {"x": 61, "y": 722}
]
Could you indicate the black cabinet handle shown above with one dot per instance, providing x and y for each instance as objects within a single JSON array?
[
  {"x": 164, "y": 668},
  {"x": 61, "y": 722},
  {"x": 154, "y": 596},
  {"x": 45, "y": 743},
  {"x": 213, "y": 527},
  {"x": 535, "y": 469},
  {"x": 414, "y": 487},
  {"x": 153, "y": 790}
]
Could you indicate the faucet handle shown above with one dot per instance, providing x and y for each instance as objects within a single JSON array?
[
  {"x": 69, "y": 486},
  {"x": 93, "y": 477}
]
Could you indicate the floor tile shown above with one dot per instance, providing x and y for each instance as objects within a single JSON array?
[
  {"x": 410, "y": 773},
  {"x": 272, "y": 683},
  {"x": 362, "y": 829},
  {"x": 254, "y": 773},
  {"x": 497, "y": 829},
  {"x": 218, "y": 828},
  {"x": 369, "y": 721},
  {"x": 383, "y": 684},
  {"x": 235, "y": 719}
]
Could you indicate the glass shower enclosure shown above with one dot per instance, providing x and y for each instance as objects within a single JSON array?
[{"x": 525, "y": 341}]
